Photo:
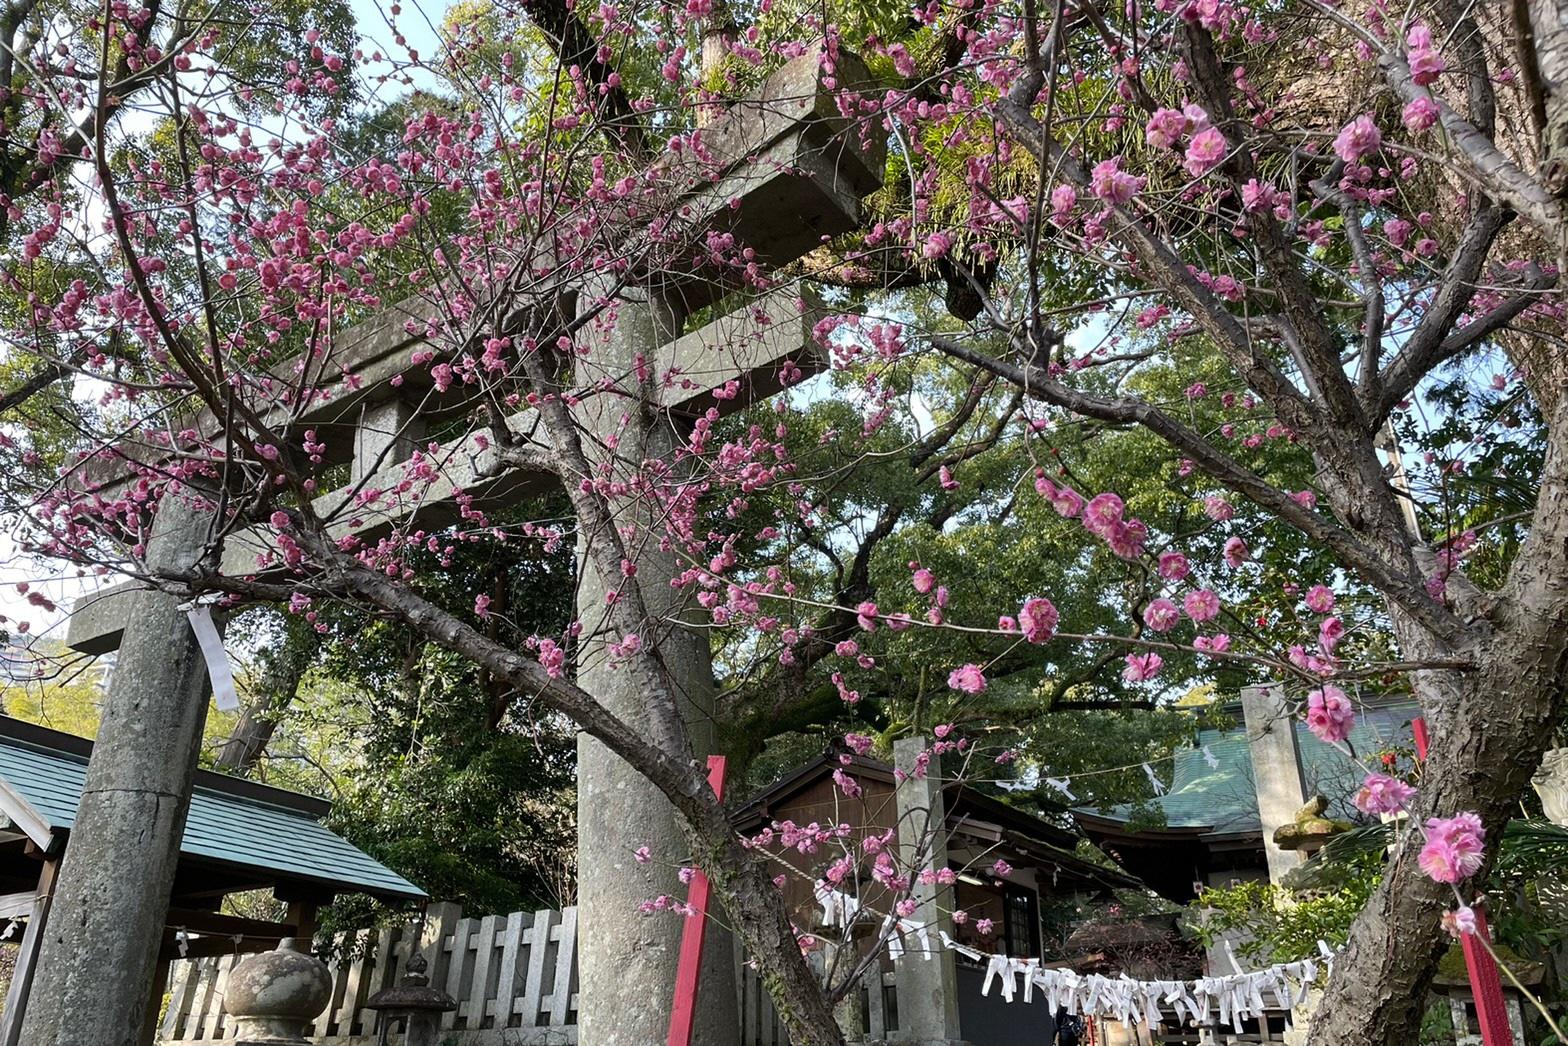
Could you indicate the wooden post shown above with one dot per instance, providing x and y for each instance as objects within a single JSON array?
[
  {"x": 160, "y": 982},
  {"x": 27, "y": 958},
  {"x": 686, "y": 976},
  {"x": 1485, "y": 982}
]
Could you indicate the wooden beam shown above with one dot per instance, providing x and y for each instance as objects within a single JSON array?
[
  {"x": 17, "y": 905},
  {"x": 30, "y": 821},
  {"x": 209, "y": 947},
  {"x": 27, "y": 958},
  {"x": 198, "y": 921},
  {"x": 303, "y": 915}
]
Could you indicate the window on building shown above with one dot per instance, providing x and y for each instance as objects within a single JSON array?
[{"x": 1023, "y": 922}]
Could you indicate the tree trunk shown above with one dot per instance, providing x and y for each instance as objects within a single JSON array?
[
  {"x": 276, "y": 689},
  {"x": 1490, "y": 727},
  {"x": 751, "y": 901}
]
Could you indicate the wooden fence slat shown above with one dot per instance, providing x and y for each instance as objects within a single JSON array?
[
  {"x": 479, "y": 990},
  {"x": 565, "y": 964},
  {"x": 510, "y": 975},
  {"x": 538, "y": 948},
  {"x": 355, "y": 980},
  {"x": 217, "y": 1017},
  {"x": 382, "y": 970},
  {"x": 182, "y": 978},
  {"x": 211, "y": 1000},
  {"x": 324, "y": 1022}
]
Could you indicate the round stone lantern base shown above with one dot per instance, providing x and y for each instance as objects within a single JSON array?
[{"x": 274, "y": 996}]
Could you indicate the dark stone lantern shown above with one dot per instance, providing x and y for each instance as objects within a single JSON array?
[{"x": 415, "y": 1003}]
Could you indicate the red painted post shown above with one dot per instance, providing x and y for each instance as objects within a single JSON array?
[
  {"x": 1486, "y": 984},
  {"x": 1423, "y": 741},
  {"x": 684, "y": 1010}
]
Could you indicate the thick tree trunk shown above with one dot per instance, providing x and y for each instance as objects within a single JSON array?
[
  {"x": 1490, "y": 728},
  {"x": 744, "y": 886}
]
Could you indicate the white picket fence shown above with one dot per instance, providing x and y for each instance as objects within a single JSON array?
[{"x": 514, "y": 976}]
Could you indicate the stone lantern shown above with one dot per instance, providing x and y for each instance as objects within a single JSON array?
[
  {"x": 1310, "y": 830},
  {"x": 415, "y": 1003},
  {"x": 1453, "y": 983},
  {"x": 274, "y": 996}
]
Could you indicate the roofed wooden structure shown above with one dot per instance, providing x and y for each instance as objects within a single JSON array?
[{"x": 240, "y": 835}]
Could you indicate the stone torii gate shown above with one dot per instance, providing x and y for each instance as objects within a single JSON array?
[{"x": 787, "y": 171}]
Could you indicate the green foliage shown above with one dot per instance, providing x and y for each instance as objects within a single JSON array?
[
  {"x": 1272, "y": 924},
  {"x": 438, "y": 770}
]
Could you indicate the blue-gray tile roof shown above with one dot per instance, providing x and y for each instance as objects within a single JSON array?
[
  {"x": 239, "y": 830},
  {"x": 1223, "y": 799}
]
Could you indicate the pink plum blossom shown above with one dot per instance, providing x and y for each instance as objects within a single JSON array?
[
  {"x": 1161, "y": 615},
  {"x": 1359, "y": 138},
  {"x": 1038, "y": 619},
  {"x": 1236, "y": 552},
  {"x": 1454, "y": 847},
  {"x": 1202, "y": 605},
  {"x": 1217, "y": 508},
  {"x": 1320, "y": 599},
  {"x": 1329, "y": 714},
  {"x": 1166, "y": 128},
  {"x": 1205, "y": 151},
  {"x": 1110, "y": 183},
  {"x": 1217, "y": 643},
  {"x": 1063, "y": 199},
  {"x": 1102, "y": 513},
  {"x": 968, "y": 678},
  {"x": 1460, "y": 921},
  {"x": 1420, "y": 115},
  {"x": 1173, "y": 566},
  {"x": 1142, "y": 667},
  {"x": 1382, "y": 794}
]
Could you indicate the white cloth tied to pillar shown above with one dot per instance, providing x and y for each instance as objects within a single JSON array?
[{"x": 219, "y": 670}]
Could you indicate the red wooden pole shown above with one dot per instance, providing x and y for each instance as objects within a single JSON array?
[
  {"x": 1486, "y": 984},
  {"x": 684, "y": 1010}
]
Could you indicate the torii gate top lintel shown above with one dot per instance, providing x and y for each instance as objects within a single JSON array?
[{"x": 781, "y": 171}]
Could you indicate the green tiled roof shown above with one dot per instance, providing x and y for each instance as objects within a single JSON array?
[
  {"x": 238, "y": 829},
  {"x": 1223, "y": 800}
]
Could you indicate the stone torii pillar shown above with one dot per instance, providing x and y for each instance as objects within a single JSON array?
[
  {"x": 927, "y": 983},
  {"x": 785, "y": 171},
  {"x": 627, "y": 962},
  {"x": 111, "y": 896},
  {"x": 1276, "y": 769}
]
